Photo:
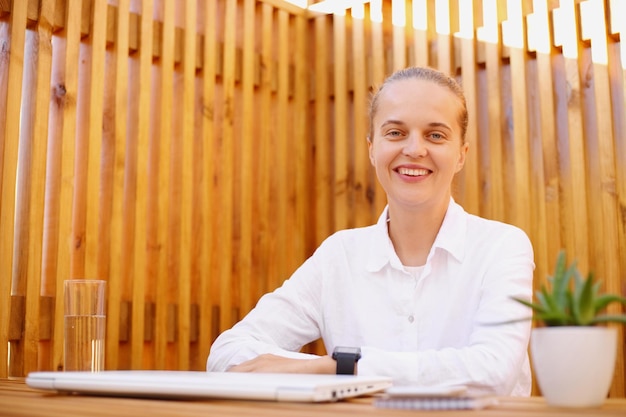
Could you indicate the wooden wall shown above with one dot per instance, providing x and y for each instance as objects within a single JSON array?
[{"x": 194, "y": 153}]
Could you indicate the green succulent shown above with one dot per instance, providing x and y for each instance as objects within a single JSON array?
[{"x": 572, "y": 304}]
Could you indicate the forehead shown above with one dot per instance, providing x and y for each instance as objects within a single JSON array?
[{"x": 416, "y": 98}]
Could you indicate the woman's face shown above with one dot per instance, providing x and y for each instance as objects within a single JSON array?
[{"x": 415, "y": 143}]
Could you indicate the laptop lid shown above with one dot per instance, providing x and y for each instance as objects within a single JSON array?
[{"x": 203, "y": 385}]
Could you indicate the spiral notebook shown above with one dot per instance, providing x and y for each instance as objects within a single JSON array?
[
  {"x": 206, "y": 385},
  {"x": 432, "y": 398}
]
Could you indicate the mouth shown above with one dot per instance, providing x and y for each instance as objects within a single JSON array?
[{"x": 413, "y": 172}]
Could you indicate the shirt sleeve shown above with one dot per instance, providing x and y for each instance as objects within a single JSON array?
[
  {"x": 495, "y": 359},
  {"x": 281, "y": 323}
]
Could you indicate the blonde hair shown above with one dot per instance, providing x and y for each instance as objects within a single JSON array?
[{"x": 426, "y": 74}]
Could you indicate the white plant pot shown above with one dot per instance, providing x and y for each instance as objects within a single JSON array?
[{"x": 574, "y": 365}]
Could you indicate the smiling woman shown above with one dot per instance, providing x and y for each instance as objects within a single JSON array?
[{"x": 410, "y": 293}]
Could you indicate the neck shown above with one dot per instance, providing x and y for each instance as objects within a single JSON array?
[{"x": 414, "y": 230}]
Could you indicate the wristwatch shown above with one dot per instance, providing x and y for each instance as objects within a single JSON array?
[{"x": 346, "y": 358}]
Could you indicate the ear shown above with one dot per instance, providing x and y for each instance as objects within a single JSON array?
[
  {"x": 370, "y": 149},
  {"x": 462, "y": 155}
]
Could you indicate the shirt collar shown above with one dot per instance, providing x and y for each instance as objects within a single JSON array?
[{"x": 451, "y": 238}]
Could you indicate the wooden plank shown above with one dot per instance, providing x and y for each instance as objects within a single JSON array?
[
  {"x": 341, "y": 153},
  {"x": 545, "y": 181},
  {"x": 248, "y": 174},
  {"x": 5, "y": 284},
  {"x": 118, "y": 239},
  {"x": 284, "y": 248},
  {"x": 264, "y": 196},
  {"x": 187, "y": 245},
  {"x": 21, "y": 231},
  {"x": 378, "y": 75},
  {"x": 466, "y": 186},
  {"x": 574, "y": 222},
  {"x": 518, "y": 189},
  {"x": 162, "y": 290},
  {"x": 617, "y": 75},
  {"x": 323, "y": 186},
  {"x": 94, "y": 146},
  {"x": 363, "y": 186},
  {"x": 225, "y": 229},
  {"x": 208, "y": 284},
  {"x": 492, "y": 205},
  {"x": 302, "y": 163},
  {"x": 34, "y": 278},
  {"x": 9, "y": 140},
  {"x": 600, "y": 157}
]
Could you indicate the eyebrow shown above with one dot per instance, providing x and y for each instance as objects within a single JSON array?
[{"x": 431, "y": 124}]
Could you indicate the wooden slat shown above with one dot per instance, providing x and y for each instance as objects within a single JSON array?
[
  {"x": 248, "y": 174},
  {"x": 574, "y": 222},
  {"x": 283, "y": 225},
  {"x": 9, "y": 140},
  {"x": 466, "y": 188},
  {"x": 545, "y": 210},
  {"x": 514, "y": 37},
  {"x": 209, "y": 292},
  {"x": 95, "y": 117},
  {"x": 265, "y": 200},
  {"x": 600, "y": 157},
  {"x": 341, "y": 153},
  {"x": 302, "y": 162},
  {"x": 163, "y": 137},
  {"x": 187, "y": 200},
  {"x": 226, "y": 136},
  {"x": 363, "y": 172},
  {"x": 323, "y": 186},
  {"x": 37, "y": 199},
  {"x": 492, "y": 205},
  {"x": 378, "y": 74},
  {"x": 118, "y": 240}
]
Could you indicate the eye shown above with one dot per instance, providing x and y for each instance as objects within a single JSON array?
[
  {"x": 436, "y": 136},
  {"x": 394, "y": 134}
]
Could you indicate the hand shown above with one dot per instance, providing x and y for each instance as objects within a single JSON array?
[{"x": 278, "y": 364}]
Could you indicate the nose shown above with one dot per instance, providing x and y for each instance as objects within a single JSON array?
[{"x": 415, "y": 146}]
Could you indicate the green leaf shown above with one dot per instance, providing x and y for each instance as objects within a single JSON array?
[
  {"x": 583, "y": 303},
  {"x": 603, "y": 301}
]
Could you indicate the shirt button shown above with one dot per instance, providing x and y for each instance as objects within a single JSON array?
[{"x": 411, "y": 319}]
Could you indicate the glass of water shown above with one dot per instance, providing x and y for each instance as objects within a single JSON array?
[{"x": 84, "y": 325}]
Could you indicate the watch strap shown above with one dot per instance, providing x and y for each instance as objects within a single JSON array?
[{"x": 346, "y": 363}]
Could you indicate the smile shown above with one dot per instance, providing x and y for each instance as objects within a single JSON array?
[{"x": 413, "y": 172}]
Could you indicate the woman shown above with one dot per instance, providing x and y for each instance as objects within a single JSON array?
[{"x": 414, "y": 293}]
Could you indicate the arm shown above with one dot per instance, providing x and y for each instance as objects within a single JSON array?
[{"x": 282, "y": 322}]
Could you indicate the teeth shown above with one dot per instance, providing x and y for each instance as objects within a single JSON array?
[{"x": 412, "y": 172}]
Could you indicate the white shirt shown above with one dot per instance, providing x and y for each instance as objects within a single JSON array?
[{"x": 428, "y": 326}]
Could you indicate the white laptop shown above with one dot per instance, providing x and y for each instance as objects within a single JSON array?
[{"x": 203, "y": 385}]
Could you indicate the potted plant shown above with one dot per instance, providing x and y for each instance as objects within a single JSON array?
[{"x": 573, "y": 355}]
